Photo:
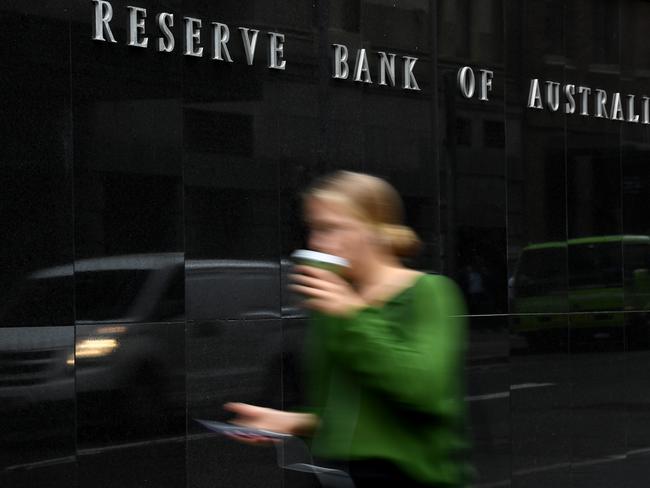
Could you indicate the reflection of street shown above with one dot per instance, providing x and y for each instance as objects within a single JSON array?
[
  {"x": 547, "y": 414},
  {"x": 141, "y": 460},
  {"x": 119, "y": 379},
  {"x": 566, "y": 416},
  {"x": 36, "y": 393}
]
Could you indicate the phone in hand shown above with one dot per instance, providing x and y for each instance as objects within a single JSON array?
[{"x": 239, "y": 431}]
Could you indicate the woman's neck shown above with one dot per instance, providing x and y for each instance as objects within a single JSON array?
[{"x": 375, "y": 270}]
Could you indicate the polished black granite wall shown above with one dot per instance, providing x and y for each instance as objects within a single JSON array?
[{"x": 151, "y": 201}]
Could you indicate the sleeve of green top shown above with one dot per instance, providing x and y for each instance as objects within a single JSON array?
[
  {"x": 421, "y": 367},
  {"x": 316, "y": 364}
]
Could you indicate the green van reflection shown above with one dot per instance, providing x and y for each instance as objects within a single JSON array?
[{"x": 594, "y": 277}]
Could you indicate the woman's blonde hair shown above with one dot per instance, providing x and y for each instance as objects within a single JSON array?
[{"x": 372, "y": 200}]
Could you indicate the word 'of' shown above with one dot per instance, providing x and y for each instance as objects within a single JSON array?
[{"x": 467, "y": 82}]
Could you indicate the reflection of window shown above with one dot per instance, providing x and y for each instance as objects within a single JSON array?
[
  {"x": 107, "y": 295},
  {"x": 554, "y": 30},
  {"x": 39, "y": 302},
  {"x": 541, "y": 271},
  {"x": 605, "y": 40},
  {"x": 636, "y": 257},
  {"x": 345, "y": 15},
  {"x": 494, "y": 133},
  {"x": 463, "y": 132},
  {"x": 172, "y": 302},
  {"x": 218, "y": 132},
  {"x": 595, "y": 265}
]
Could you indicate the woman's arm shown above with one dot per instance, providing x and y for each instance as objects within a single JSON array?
[
  {"x": 420, "y": 367},
  {"x": 294, "y": 423}
]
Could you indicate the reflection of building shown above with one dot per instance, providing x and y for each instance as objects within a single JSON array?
[
  {"x": 551, "y": 168},
  {"x": 113, "y": 151},
  {"x": 471, "y": 156}
]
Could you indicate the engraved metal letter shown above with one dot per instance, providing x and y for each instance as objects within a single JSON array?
[
  {"x": 570, "y": 105},
  {"x": 600, "y": 107},
  {"x": 192, "y": 37},
  {"x": 165, "y": 21},
  {"x": 584, "y": 96},
  {"x": 466, "y": 81},
  {"x": 341, "y": 69},
  {"x": 617, "y": 107},
  {"x": 410, "y": 83},
  {"x": 103, "y": 15},
  {"x": 361, "y": 68},
  {"x": 386, "y": 66},
  {"x": 250, "y": 43},
  {"x": 646, "y": 110},
  {"x": 220, "y": 38},
  {"x": 486, "y": 84},
  {"x": 534, "y": 94},
  {"x": 631, "y": 116},
  {"x": 553, "y": 95},
  {"x": 276, "y": 51},
  {"x": 136, "y": 27}
]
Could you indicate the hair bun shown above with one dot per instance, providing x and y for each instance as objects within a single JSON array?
[{"x": 402, "y": 240}]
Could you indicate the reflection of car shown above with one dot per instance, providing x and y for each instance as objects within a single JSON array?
[
  {"x": 129, "y": 337},
  {"x": 240, "y": 359},
  {"x": 115, "y": 349},
  {"x": 237, "y": 289},
  {"x": 605, "y": 274},
  {"x": 35, "y": 366}
]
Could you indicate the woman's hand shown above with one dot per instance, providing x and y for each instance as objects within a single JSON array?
[
  {"x": 270, "y": 419},
  {"x": 326, "y": 291}
]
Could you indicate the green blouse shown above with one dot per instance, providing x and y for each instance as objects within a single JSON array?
[{"x": 387, "y": 383}]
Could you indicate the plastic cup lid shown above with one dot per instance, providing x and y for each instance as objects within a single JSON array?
[{"x": 307, "y": 255}]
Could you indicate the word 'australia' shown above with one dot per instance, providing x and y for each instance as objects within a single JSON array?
[
  {"x": 385, "y": 68},
  {"x": 219, "y": 35},
  {"x": 618, "y": 107}
]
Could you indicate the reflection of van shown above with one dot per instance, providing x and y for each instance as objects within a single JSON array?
[
  {"x": 118, "y": 346},
  {"x": 237, "y": 289},
  {"x": 605, "y": 274},
  {"x": 127, "y": 335}
]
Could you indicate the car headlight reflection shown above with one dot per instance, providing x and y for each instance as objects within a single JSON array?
[{"x": 95, "y": 348}]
